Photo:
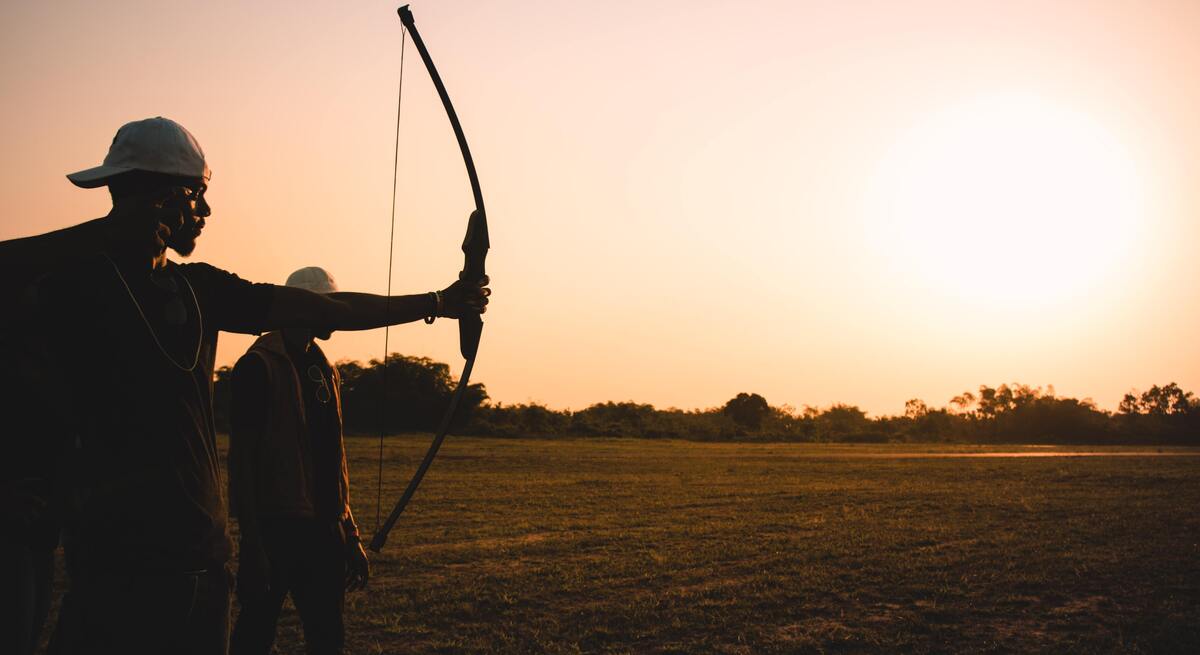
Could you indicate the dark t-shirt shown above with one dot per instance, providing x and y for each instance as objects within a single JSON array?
[{"x": 142, "y": 473}]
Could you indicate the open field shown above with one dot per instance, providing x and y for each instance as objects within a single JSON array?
[
  {"x": 641, "y": 546},
  {"x": 673, "y": 547}
]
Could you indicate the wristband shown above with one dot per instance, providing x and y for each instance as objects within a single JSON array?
[{"x": 437, "y": 307}]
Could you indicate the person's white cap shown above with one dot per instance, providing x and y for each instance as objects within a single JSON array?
[
  {"x": 313, "y": 278},
  {"x": 158, "y": 145}
]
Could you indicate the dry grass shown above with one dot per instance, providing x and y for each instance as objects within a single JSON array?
[
  {"x": 639, "y": 546},
  {"x": 636, "y": 546}
]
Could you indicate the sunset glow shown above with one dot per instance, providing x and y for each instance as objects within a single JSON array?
[
  {"x": 1008, "y": 202},
  {"x": 849, "y": 202}
]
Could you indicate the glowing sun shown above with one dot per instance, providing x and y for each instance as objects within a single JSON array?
[{"x": 1008, "y": 201}]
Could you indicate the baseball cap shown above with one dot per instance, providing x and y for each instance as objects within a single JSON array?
[
  {"x": 313, "y": 278},
  {"x": 158, "y": 145}
]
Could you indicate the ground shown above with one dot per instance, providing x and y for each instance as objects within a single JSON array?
[
  {"x": 645, "y": 546},
  {"x": 642, "y": 546}
]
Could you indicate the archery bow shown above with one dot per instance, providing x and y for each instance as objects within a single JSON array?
[{"x": 470, "y": 326}]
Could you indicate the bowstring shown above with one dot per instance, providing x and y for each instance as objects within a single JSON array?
[{"x": 387, "y": 303}]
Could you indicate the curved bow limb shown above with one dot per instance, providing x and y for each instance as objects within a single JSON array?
[{"x": 475, "y": 247}]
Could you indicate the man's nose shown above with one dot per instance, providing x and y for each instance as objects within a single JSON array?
[{"x": 202, "y": 208}]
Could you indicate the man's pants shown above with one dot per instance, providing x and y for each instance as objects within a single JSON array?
[
  {"x": 308, "y": 561},
  {"x": 145, "y": 614}
]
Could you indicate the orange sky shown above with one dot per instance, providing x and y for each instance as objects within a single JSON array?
[{"x": 847, "y": 201}]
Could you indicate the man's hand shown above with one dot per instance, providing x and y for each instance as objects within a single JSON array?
[
  {"x": 358, "y": 569},
  {"x": 460, "y": 299}
]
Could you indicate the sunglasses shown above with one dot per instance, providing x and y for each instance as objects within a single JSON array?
[
  {"x": 323, "y": 392},
  {"x": 185, "y": 195},
  {"x": 193, "y": 195}
]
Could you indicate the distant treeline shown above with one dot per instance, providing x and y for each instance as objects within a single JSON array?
[{"x": 418, "y": 390}]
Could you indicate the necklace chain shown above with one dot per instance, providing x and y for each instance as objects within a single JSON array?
[{"x": 153, "y": 334}]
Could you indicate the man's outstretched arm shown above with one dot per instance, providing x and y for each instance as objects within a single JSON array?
[{"x": 296, "y": 308}]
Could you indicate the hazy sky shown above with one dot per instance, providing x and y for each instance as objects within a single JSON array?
[{"x": 846, "y": 201}]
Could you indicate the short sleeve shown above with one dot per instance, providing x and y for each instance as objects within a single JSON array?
[{"x": 229, "y": 303}]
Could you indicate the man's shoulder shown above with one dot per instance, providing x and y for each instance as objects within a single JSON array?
[
  {"x": 213, "y": 282},
  {"x": 232, "y": 304},
  {"x": 249, "y": 363},
  {"x": 203, "y": 273},
  {"x": 85, "y": 276},
  {"x": 199, "y": 269},
  {"x": 266, "y": 351}
]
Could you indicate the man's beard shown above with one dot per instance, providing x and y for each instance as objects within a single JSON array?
[{"x": 185, "y": 248}]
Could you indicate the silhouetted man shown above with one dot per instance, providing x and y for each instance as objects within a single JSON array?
[
  {"x": 130, "y": 337},
  {"x": 290, "y": 488}
]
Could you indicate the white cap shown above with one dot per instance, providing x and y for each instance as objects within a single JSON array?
[
  {"x": 313, "y": 278},
  {"x": 158, "y": 145}
]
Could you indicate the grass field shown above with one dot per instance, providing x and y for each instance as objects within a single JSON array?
[{"x": 639, "y": 546}]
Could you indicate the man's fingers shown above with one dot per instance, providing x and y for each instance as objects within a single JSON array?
[{"x": 463, "y": 298}]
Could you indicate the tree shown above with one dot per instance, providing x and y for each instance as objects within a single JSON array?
[
  {"x": 748, "y": 410},
  {"x": 962, "y": 403},
  {"x": 841, "y": 421},
  {"x": 988, "y": 404},
  {"x": 915, "y": 408},
  {"x": 1167, "y": 400},
  {"x": 403, "y": 394}
]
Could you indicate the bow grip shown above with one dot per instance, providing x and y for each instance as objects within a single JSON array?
[{"x": 475, "y": 248}]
